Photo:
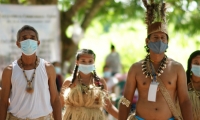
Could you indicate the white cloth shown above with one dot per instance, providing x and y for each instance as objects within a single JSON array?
[{"x": 25, "y": 105}]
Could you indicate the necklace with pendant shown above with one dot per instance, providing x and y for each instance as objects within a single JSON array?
[
  {"x": 29, "y": 86},
  {"x": 147, "y": 69}
]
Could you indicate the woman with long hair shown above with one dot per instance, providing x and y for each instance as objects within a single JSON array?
[{"x": 193, "y": 80}]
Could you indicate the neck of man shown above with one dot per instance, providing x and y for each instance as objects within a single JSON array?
[
  {"x": 156, "y": 58},
  {"x": 28, "y": 60}
]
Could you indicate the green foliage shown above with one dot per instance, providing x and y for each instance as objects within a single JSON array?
[{"x": 4, "y": 1}]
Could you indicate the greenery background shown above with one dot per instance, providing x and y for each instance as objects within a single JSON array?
[
  {"x": 121, "y": 22},
  {"x": 129, "y": 40}
]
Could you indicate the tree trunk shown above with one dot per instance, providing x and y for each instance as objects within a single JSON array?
[
  {"x": 14, "y": 1},
  {"x": 96, "y": 6}
]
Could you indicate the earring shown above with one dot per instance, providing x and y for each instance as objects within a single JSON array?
[{"x": 190, "y": 73}]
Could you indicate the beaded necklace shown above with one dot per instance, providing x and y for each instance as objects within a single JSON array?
[
  {"x": 147, "y": 69},
  {"x": 193, "y": 89},
  {"x": 85, "y": 88},
  {"x": 29, "y": 87}
]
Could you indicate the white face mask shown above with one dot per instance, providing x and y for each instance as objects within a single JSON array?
[
  {"x": 86, "y": 69},
  {"x": 29, "y": 46},
  {"x": 196, "y": 70},
  {"x": 58, "y": 70}
]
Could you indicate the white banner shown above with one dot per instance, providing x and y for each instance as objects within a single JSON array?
[{"x": 45, "y": 19}]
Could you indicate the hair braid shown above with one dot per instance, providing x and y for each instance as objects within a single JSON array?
[
  {"x": 97, "y": 80},
  {"x": 75, "y": 73}
]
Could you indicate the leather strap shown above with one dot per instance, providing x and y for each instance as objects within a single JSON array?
[{"x": 168, "y": 99}]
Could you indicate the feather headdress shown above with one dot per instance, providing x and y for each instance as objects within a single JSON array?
[{"x": 155, "y": 16}]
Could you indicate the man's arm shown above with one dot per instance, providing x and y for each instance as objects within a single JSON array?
[
  {"x": 5, "y": 93},
  {"x": 129, "y": 90},
  {"x": 55, "y": 100},
  {"x": 184, "y": 101}
]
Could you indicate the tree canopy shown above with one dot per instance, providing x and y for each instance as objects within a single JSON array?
[{"x": 184, "y": 14}]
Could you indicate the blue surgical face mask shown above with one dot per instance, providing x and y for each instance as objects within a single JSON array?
[
  {"x": 58, "y": 70},
  {"x": 86, "y": 69},
  {"x": 107, "y": 74},
  {"x": 158, "y": 47},
  {"x": 196, "y": 70},
  {"x": 29, "y": 46}
]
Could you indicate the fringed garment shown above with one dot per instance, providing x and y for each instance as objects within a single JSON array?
[
  {"x": 85, "y": 105},
  {"x": 195, "y": 105}
]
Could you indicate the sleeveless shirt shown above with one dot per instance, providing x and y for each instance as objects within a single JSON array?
[{"x": 29, "y": 105}]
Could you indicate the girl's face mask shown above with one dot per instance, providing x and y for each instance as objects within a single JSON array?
[
  {"x": 29, "y": 46},
  {"x": 86, "y": 69},
  {"x": 196, "y": 70}
]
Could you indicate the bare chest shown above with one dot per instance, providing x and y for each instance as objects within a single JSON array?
[{"x": 168, "y": 77}]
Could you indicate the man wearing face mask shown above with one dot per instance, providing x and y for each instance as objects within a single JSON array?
[
  {"x": 29, "y": 83},
  {"x": 113, "y": 60},
  {"x": 160, "y": 80},
  {"x": 110, "y": 80}
]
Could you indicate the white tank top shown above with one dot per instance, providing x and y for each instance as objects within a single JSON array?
[{"x": 25, "y": 105}]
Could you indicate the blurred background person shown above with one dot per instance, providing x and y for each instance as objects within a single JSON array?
[
  {"x": 111, "y": 81},
  {"x": 113, "y": 61},
  {"x": 193, "y": 81},
  {"x": 59, "y": 77},
  {"x": 119, "y": 90}
]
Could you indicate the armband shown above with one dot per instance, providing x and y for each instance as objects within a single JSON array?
[{"x": 124, "y": 101}]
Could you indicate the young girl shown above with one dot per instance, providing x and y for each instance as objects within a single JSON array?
[
  {"x": 193, "y": 80},
  {"x": 85, "y": 94}
]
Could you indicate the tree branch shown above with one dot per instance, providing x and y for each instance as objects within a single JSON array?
[
  {"x": 96, "y": 6},
  {"x": 72, "y": 11}
]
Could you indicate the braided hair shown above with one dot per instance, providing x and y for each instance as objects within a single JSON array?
[
  {"x": 188, "y": 71},
  {"x": 79, "y": 53}
]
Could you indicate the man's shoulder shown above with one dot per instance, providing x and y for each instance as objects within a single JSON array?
[
  {"x": 8, "y": 68},
  {"x": 136, "y": 66},
  {"x": 138, "y": 63},
  {"x": 174, "y": 62},
  {"x": 7, "y": 71},
  {"x": 48, "y": 64}
]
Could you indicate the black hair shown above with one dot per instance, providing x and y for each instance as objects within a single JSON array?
[
  {"x": 27, "y": 27},
  {"x": 79, "y": 53},
  {"x": 55, "y": 62},
  {"x": 112, "y": 47},
  {"x": 188, "y": 71},
  {"x": 146, "y": 46}
]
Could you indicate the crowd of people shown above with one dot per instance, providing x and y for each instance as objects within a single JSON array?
[{"x": 155, "y": 88}]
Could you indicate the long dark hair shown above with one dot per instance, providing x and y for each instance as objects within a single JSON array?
[
  {"x": 79, "y": 53},
  {"x": 188, "y": 71}
]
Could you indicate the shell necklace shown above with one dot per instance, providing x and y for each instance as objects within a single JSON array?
[
  {"x": 29, "y": 87},
  {"x": 147, "y": 72}
]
